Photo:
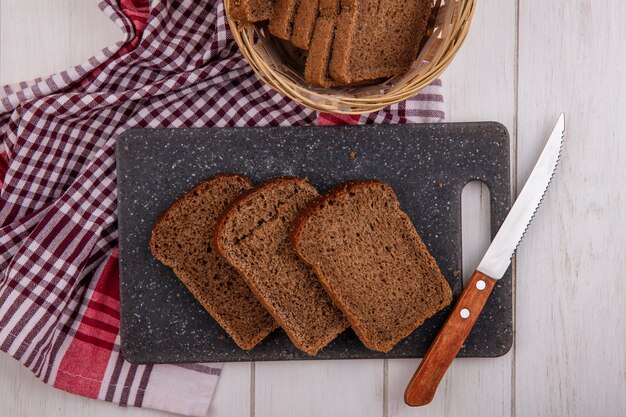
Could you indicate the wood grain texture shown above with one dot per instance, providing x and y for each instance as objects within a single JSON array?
[
  {"x": 232, "y": 396},
  {"x": 571, "y": 319},
  {"x": 423, "y": 385},
  {"x": 41, "y": 37},
  {"x": 319, "y": 388},
  {"x": 571, "y": 328},
  {"x": 475, "y": 225}
]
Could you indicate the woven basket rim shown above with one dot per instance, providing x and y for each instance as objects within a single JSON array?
[{"x": 453, "y": 22}]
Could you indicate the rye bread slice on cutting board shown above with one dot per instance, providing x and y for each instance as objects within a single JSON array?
[
  {"x": 377, "y": 39},
  {"x": 281, "y": 22},
  {"x": 371, "y": 261},
  {"x": 181, "y": 240},
  {"x": 253, "y": 236},
  {"x": 316, "y": 68},
  {"x": 304, "y": 23},
  {"x": 251, "y": 10}
]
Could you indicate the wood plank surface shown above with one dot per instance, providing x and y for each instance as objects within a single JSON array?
[
  {"x": 319, "y": 388},
  {"x": 41, "y": 37},
  {"x": 233, "y": 396},
  {"x": 571, "y": 319},
  {"x": 523, "y": 63}
]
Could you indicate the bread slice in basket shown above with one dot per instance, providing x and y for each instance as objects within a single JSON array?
[
  {"x": 251, "y": 10},
  {"x": 371, "y": 261},
  {"x": 181, "y": 240},
  {"x": 320, "y": 49},
  {"x": 281, "y": 22},
  {"x": 253, "y": 236},
  {"x": 377, "y": 39},
  {"x": 304, "y": 23}
]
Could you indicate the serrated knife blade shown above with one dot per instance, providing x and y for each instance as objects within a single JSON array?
[
  {"x": 421, "y": 389},
  {"x": 498, "y": 256}
]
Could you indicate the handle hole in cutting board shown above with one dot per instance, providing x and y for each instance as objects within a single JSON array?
[{"x": 475, "y": 225}]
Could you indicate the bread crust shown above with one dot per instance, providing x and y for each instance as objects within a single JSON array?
[
  {"x": 304, "y": 23},
  {"x": 197, "y": 292},
  {"x": 352, "y": 42},
  {"x": 242, "y": 10},
  {"x": 168, "y": 212},
  {"x": 321, "y": 47},
  {"x": 298, "y": 227},
  {"x": 216, "y": 243},
  {"x": 281, "y": 22}
]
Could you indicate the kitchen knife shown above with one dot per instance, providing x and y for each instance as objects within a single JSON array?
[{"x": 422, "y": 387}]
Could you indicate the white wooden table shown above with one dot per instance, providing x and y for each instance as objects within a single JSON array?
[{"x": 523, "y": 63}]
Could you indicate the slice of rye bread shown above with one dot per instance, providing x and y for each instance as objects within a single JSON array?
[
  {"x": 371, "y": 261},
  {"x": 281, "y": 22},
  {"x": 251, "y": 10},
  {"x": 316, "y": 68},
  {"x": 253, "y": 236},
  {"x": 377, "y": 39},
  {"x": 304, "y": 23},
  {"x": 181, "y": 240}
]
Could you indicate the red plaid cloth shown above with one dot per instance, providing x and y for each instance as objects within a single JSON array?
[{"x": 59, "y": 294}]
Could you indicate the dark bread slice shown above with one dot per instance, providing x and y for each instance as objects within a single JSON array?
[
  {"x": 320, "y": 49},
  {"x": 377, "y": 39},
  {"x": 371, "y": 261},
  {"x": 316, "y": 67},
  {"x": 181, "y": 240},
  {"x": 281, "y": 22},
  {"x": 304, "y": 23},
  {"x": 330, "y": 8},
  {"x": 251, "y": 10},
  {"x": 253, "y": 236}
]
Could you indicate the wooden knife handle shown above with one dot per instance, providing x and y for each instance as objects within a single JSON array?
[{"x": 449, "y": 340}]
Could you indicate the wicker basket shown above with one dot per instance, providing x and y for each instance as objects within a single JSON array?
[{"x": 280, "y": 65}]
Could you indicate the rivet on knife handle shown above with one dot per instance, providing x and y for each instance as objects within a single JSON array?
[{"x": 448, "y": 342}]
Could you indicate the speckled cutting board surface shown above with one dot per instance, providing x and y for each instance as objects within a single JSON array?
[{"x": 427, "y": 165}]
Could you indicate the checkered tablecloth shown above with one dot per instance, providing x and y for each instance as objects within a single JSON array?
[{"x": 59, "y": 293}]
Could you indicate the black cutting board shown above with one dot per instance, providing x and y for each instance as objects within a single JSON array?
[{"x": 427, "y": 165}]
